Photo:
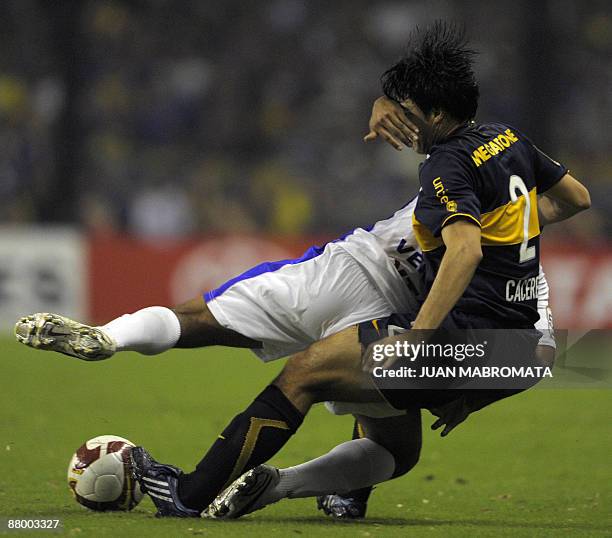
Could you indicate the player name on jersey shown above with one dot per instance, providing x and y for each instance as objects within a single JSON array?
[
  {"x": 493, "y": 147},
  {"x": 522, "y": 290}
]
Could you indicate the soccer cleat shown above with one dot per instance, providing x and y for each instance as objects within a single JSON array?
[
  {"x": 340, "y": 507},
  {"x": 53, "y": 332},
  {"x": 245, "y": 494},
  {"x": 160, "y": 482}
]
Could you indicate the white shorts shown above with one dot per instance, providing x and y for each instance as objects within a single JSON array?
[{"x": 289, "y": 305}]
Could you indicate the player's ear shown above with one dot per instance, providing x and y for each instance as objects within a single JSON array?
[{"x": 437, "y": 116}]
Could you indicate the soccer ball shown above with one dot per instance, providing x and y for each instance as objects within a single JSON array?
[{"x": 99, "y": 474}]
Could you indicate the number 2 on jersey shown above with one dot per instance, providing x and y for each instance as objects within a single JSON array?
[{"x": 526, "y": 253}]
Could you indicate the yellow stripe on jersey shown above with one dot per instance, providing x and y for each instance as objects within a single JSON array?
[
  {"x": 502, "y": 226},
  {"x": 460, "y": 215},
  {"x": 424, "y": 237},
  {"x": 505, "y": 224}
]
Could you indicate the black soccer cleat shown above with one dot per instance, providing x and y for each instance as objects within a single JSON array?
[
  {"x": 160, "y": 482},
  {"x": 340, "y": 507}
]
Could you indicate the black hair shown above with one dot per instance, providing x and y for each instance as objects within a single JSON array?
[{"x": 436, "y": 72}]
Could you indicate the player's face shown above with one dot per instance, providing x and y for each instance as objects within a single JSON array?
[{"x": 423, "y": 122}]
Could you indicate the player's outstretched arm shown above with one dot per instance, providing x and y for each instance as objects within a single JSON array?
[
  {"x": 389, "y": 121},
  {"x": 563, "y": 200}
]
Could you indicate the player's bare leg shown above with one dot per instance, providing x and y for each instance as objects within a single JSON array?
[
  {"x": 328, "y": 370},
  {"x": 148, "y": 331},
  {"x": 199, "y": 328}
]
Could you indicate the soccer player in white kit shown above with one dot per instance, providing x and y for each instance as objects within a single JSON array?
[{"x": 276, "y": 308}]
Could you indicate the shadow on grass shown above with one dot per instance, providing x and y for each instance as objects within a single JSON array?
[
  {"x": 404, "y": 522},
  {"x": 317, "y": 521}
]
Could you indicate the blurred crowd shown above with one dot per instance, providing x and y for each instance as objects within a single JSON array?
[{"x": 166, "y": 118}]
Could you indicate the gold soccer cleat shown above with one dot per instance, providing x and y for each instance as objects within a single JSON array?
[{"x": 52, "y": 332}]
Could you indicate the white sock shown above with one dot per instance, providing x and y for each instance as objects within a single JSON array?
[
  {"x": 148, "y": 331},
  {"x": 352, "y": 465}
]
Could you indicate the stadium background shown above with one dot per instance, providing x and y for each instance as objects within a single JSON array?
[
  {"x": 182, "y": 142},
  {"x": 152, "y": 148}
]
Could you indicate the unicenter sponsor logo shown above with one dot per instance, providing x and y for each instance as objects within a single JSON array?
[{"x": 441, "y": 195}]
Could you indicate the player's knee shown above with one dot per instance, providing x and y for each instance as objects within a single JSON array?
[
  {"x": 405, "y": 461},
  {"x": 195, "y": 313},
  {"x": 199, "y": 327},
  {"x": 296, "y": 375},
  {"x": 302, "y": 373}
]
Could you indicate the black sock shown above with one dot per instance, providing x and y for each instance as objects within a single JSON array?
[
  {"x": 252, "y": 437},
  {"x": 362, "y": 494}
]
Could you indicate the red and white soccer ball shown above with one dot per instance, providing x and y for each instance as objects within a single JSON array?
[{"x": 99, "y": 474}]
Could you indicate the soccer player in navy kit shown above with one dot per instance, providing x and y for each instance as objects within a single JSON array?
[{"x": 477, "y": 221}]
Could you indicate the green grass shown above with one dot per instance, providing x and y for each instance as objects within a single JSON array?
[{"x": 535, "y": 465}]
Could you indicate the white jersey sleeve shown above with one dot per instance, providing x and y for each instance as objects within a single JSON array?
[
  {"x": 545, "y": 323},
  {"x": 389, "y": 254}
]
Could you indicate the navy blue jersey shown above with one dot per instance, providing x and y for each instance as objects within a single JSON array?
[{"x": 489, "y": 174}]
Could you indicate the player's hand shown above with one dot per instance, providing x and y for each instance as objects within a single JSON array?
[
  {"x": 390, "y": 123},
  {"x": 450, "y": 415}
]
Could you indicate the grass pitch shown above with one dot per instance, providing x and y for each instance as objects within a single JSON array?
[{"x": 537, "y": 464}]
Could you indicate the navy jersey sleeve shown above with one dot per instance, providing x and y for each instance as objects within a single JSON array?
[
  {"x": 447, "y": 193},
  {"x": 547, "y": 171}
]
